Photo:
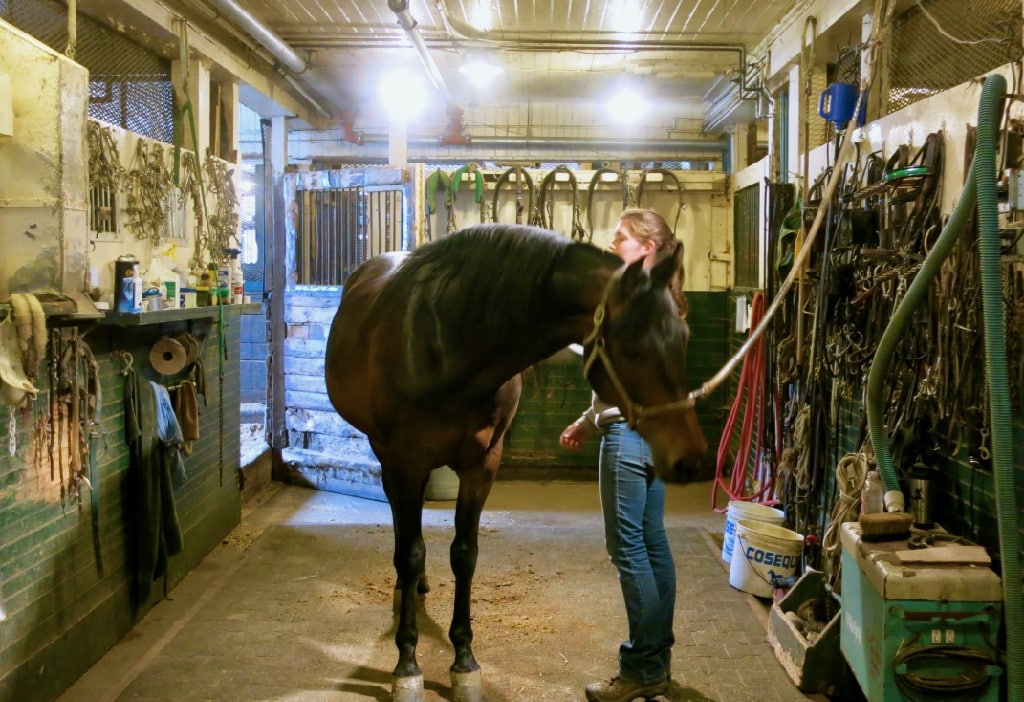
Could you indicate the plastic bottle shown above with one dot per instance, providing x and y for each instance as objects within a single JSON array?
[
  {"x": 237, "y": 278},
  {"x": 871, "y": 494},
  {"x": 203, "y": 291}
]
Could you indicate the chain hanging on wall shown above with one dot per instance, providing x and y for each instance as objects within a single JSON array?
[
  {"x": 147, "y": 192},
  {"x": 223, "y": 226},
  {"x": 105, "y": 169},
  {"x": 191, "y": 189}
]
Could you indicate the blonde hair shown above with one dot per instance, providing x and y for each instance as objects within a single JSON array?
[{"x": 649, "y": 225}]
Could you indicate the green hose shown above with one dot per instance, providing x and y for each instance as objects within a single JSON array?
[
  {"x": 894, "y": 330},
  {"x": 989, "y": 117},
  {"x": 980, "y": 190}
]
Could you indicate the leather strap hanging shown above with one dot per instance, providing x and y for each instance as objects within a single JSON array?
[
  {"x": 595, "y": 182},
  {"x": 478, "y": 182},
  {"x": 522, "y": 177},
  {"x": 435, "y": 180},
  {"x": 666, "y": 175},
  {"x": 546, "y": 206}
]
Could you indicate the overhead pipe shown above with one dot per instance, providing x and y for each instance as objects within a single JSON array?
[
  {"x": 677, "y": 145},
  {"x": 407, "y": 22},
  {"x": 454, "y": 135},
  {"x": 277, "y": 47}
]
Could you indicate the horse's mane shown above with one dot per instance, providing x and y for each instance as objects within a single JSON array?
[
  {"x": 469, "y": 296},
  {"x": 484, "y": 278}
]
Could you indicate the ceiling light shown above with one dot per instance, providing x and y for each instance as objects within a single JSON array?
[
  {"x": 480, "y": 72},
  {"x": 402, "y": 94},
  {"x": 480, "y": 16},
  {"x": 625, "y": 16},
  {"x": 627, "y": 106}
]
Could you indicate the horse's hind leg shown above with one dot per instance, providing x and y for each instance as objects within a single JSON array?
[{"x": 406, "y": 499}]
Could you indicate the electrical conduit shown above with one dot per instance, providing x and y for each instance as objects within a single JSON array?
[{"x": 979, "y": 189}]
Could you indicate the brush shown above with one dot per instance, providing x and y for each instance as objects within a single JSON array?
[{"x": 885, "y": 526}]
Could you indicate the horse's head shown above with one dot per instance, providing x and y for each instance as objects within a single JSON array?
[{"x": 636, "y": 359}]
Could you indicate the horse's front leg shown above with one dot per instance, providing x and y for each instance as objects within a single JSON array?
[
  {"x": 409, "y": 560},
  {"x": 474, "y": 487}
]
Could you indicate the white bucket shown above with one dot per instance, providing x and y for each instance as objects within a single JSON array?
[
  {"x": 443, "y": 484},
  {"x": 738, "y": 509},
  {"x": 760, "y": 552}
]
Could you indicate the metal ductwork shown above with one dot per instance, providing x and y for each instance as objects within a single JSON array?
[{"x": 281, "y": 51}]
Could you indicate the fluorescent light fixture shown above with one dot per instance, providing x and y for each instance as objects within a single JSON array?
[
  {"x": 480, "y": 72},
  {"x": 402, "y": 94},
  {"x": 627, "y": 105},
  {"x": 625, "y": 16},
  {"x": 480, "y": 15}
]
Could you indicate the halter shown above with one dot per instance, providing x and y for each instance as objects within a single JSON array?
[{"x": 634, "y": 411}]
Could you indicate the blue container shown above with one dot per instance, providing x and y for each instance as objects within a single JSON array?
[
  {"x": 125, "y": 268},
  {"x": 837, "y": 102}
]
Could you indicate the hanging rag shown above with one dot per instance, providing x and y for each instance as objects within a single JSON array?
[
  {"x": 169, "y": 432},
  {"x": 157, "y": 529}
]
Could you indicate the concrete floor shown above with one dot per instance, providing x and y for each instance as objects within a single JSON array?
[{"x": 295, "y": 606}]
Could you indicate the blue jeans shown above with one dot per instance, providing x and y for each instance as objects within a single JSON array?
[{"x": 633, "y": 505}]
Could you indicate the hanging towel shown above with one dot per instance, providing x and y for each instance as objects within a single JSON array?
[{"x": 186, "y": 408}]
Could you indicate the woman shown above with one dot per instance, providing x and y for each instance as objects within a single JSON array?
[{"x": 633, "y": 504}]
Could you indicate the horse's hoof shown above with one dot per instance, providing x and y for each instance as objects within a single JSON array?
[
  {"x": 467, "y": 687},
  {"x": 407, "y": 689}
]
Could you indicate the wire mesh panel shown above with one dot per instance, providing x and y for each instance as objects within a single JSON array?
[
  {"x": 746, "y": 221},
  {"x": 129, "y": 85},
  {"x": 339, "y": 228},
  {"x": 937, "y": 44}
]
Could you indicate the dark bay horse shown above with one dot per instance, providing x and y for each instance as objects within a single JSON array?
[{"x": 424, "y": 357}]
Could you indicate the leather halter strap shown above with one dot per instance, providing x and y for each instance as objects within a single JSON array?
[
  {"x": 522, "y": 177},
  {"x": 546, "y": 206},
  {"x": 596, "y": 181},
  {"x": 633, "y": 411},
  {"x": 666, "y": 175}
]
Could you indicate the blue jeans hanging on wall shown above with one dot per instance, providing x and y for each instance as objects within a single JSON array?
[{"x": 633, "y": 505}]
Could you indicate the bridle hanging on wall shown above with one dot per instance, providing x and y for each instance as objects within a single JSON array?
[
  {"x": 546, "y": 206},
  {"x": 666, "y": 175},
  {"x": 595, "y": 182},
  {"x": 521, "y": 177}
]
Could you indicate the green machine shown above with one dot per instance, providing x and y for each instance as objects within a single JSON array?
[{"x": 920, "y": 624}]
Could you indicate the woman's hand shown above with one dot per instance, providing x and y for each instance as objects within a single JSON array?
[{"x": 574, "y": 435}]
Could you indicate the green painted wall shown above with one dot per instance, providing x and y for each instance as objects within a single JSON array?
[
  {"x": 555, "y": 394},
  {"x": 62, "y": 614}
]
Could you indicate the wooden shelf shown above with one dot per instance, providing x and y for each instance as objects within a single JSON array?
[
  {"x": 181, "y": 314},
  {"x": 141, "y": 319}
]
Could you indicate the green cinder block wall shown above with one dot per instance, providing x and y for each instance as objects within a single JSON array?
[{"x": 62, "y": 613}]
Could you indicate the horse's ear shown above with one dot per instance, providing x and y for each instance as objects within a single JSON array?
[
  {"x": 632, "y": 278},
  {"x": 667, "y": 268}
]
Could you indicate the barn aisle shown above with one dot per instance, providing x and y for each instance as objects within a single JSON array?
[{"x": 295, "y": 606}]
